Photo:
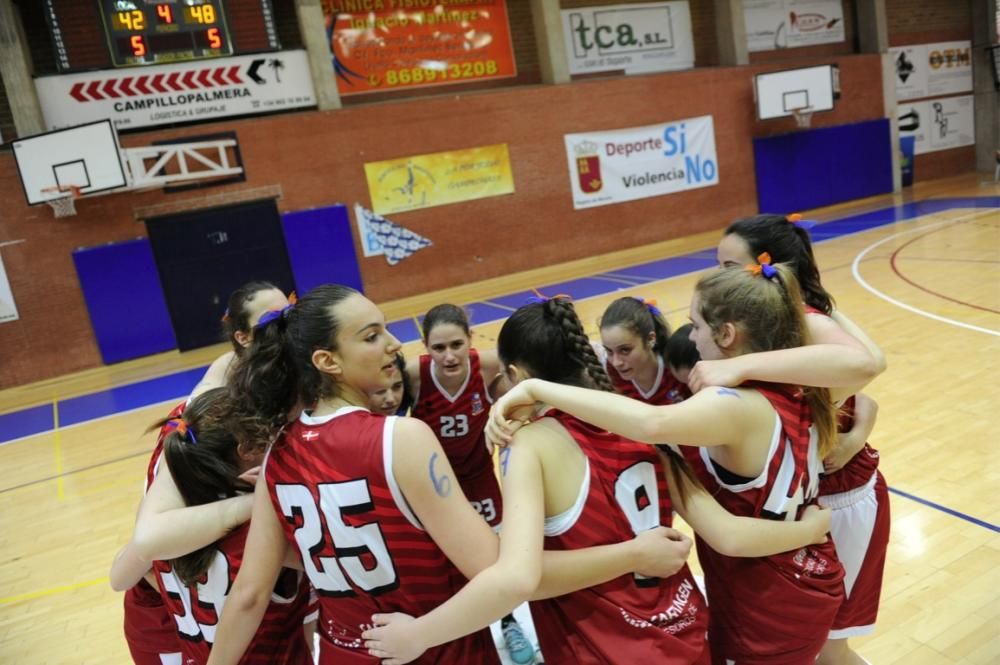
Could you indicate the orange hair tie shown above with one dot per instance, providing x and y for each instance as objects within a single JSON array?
[
  {"x": 292, "y": 298},
  {"x": 794, "y": 217},
  {"x": 541, "y": 297},
  {"x": 763, "y": 266}
]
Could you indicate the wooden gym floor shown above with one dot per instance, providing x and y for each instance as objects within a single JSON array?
[{"x": 927, "y": 289}]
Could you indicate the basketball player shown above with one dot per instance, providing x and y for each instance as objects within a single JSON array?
[
  {"x": 149, "y": 629},
  {"x": 852, "y": 484},
  {"x": 580, "y": 486},
  {"x": 370, "y": 504},
  {"x": 396, "y": 399},
  {"x": 450, "y": 383},
  {"x": 758, "y": 458},
  {"x": 634, "y": 339},
  {"x": 245, "y": 307},
  {"x": 204, "y": 462}
]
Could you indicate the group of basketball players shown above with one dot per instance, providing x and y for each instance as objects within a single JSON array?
[{"x": 291, "y": 493}]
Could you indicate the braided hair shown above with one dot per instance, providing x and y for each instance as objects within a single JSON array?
[{"x": 548, "y": 340}]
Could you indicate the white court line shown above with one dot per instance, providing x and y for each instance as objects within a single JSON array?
[{"x": 910, "y": 308}]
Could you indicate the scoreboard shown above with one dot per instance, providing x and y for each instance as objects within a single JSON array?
[{"x": 146, "y": 32}]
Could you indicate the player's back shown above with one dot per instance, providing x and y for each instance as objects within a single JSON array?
[
  {"x": 776, "y": 609},
  {"x": 196, "y": 608},
  {"x": 387, "y": 562},
  {"x": 457, "y": 420},
  {"x": 629, "y": 619}
]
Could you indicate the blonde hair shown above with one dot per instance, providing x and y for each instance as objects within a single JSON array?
[{"x": 768, "y": 311}]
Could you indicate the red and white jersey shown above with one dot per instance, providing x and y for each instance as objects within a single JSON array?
[
  {"x": 458, "y": 420},
  {"x": 196, "y": 610},
  {"x": 148, "y": 626},
  {"x": 630, "y": 619},
  {"x": 666, "y": 389},
  {"x": 332, "y": 485},
  {"x": 859, "y": 470},
  {"x": 777, "y": 609}
]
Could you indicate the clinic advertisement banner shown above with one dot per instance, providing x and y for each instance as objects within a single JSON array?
[
  {"x": 160, "y": 94},
  {"x": 938, "y": 124},
  {"x": 640, "y": 162},
  {"x": 425, "y": 181},
  {"x": 8, "y": 310},
  {"x": 652, "y": 37},
  {"x": 387, "y": 45},
  {"x": 778, "y": 24},
  {"x": 931, "y": 70}
]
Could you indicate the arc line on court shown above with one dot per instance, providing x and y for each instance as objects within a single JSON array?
[{"x": 855, "y": 270}]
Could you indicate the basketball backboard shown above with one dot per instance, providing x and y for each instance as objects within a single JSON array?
[
  {"x": 778, "y": 94},
  {"x": 85, "y": 156}
]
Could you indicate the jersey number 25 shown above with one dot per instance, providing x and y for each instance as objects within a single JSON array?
[{"x": 329, "y": 574}]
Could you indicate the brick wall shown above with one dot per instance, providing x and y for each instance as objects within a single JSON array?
[
  {"x": 317, "y": 159},
  {"x": 926, "y": 22}
]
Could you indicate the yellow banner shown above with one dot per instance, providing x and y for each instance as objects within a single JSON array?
[{"x": 425, "y": 181}]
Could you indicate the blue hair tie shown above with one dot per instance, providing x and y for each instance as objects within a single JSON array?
[
  {"x": 182, "y": 428},
  {"x": 271, "y": 315}
]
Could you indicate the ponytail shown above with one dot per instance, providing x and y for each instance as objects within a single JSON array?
[
  {"x": 765, "y": 302},
  {"x": 577, "y": 342},
  {"x": 547, "y": 339},
  {"x": 202, "y": 454}
]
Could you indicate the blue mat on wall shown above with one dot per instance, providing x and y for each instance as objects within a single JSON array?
[
  {"x": 819, "y": 167},
  {"x": 321, "y": 248},
  {"x": 122, "y": 289}
]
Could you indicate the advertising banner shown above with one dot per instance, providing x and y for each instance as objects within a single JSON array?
[
  {"x": 938, "y": 124},
  {"x": 8, "y": 309},
  {"x": 930, "y": 70},
  {"x": 653, "y": 37},
  {"x": 385, "y": 45},
  {"x": 778, "y": 24},
  {"x": 425, "y": 181},
  {"x": 160, "y": 94},
  {"x": 639, "y": 162}
]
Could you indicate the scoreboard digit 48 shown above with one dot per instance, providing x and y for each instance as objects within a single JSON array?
[{"x": 146, "y": 32}]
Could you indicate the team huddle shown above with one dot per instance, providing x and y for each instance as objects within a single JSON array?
[{"x": 316, "y": 483}]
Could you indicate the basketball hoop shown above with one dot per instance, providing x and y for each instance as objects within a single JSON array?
[
  {"x": 803, "y": 117},
  {"x": 62, "y": 199}
]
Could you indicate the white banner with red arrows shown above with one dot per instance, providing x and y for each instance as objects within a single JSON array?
[{"x": 163, "y": 94}]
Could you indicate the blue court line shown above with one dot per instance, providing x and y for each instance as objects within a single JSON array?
[
  {"x": 945, "y": 509},
  {"x": 38, "y": 419}
]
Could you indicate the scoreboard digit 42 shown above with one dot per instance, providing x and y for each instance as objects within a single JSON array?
[{"x": 146, "y": 32}]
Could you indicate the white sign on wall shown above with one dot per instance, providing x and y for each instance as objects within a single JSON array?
[
  {"x": 651, "y": 37},
  {"x": 938, "y": 124},
  {"x": 929, "y": 70},
  {"x": 162, "y": 94},
  {"x": 8, "y": 310},
  {"x": 640, "y": 162},
  {"x": 778, "y": 24}
]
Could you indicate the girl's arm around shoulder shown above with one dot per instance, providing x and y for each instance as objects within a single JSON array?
[
  {"x": 265, "y": 551},
  {"x": 217, "y": 374},
  {"x": 736, "y": 536},
  {"x": 166, "y": 528},
  {"x": 413, "y": 376},
  {"x": 714, "y": 418},
  {"x": 494, "y": 591}
]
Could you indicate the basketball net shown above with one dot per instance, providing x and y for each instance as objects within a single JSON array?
[
  {"x": 803, "y": 117},
  {"x": 62, "y": 199}
]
